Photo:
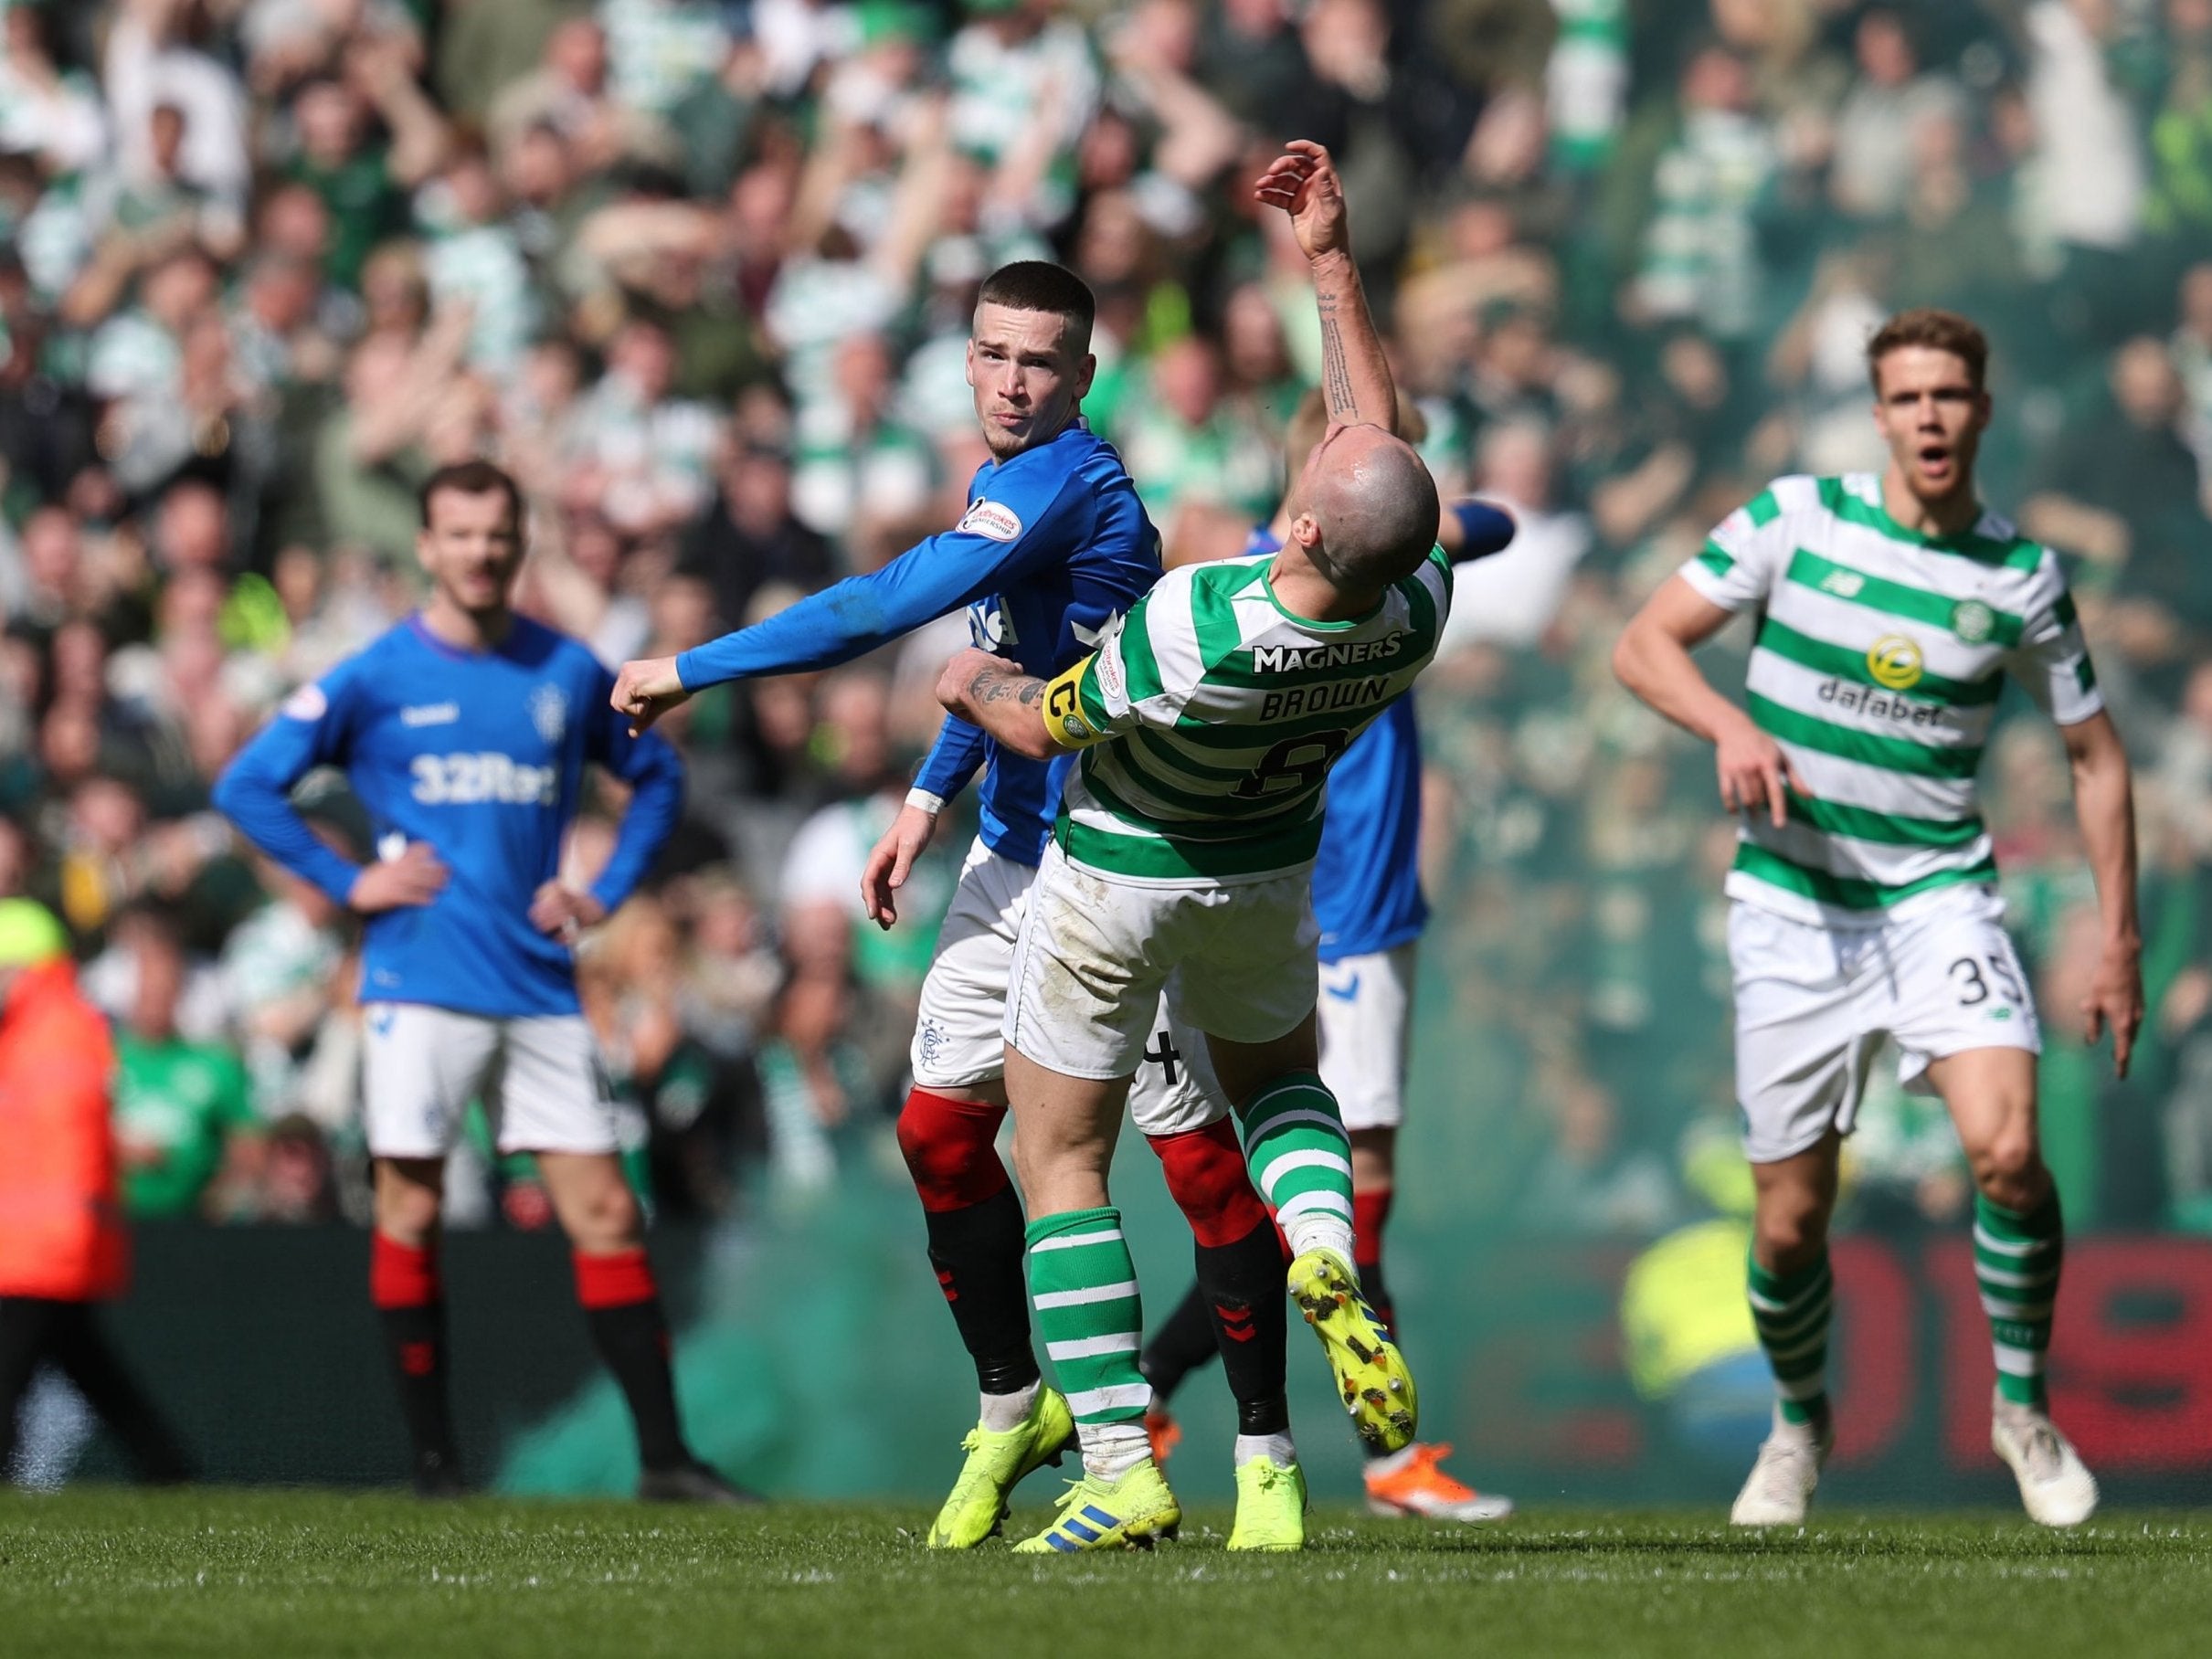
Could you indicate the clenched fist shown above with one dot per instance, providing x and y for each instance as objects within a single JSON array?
[{"x": 646, "y": 690}]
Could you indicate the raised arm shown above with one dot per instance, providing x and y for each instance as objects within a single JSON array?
[
  {"x": 2104, "y": 803},
  {"x": 1355, "y": 374},
  {"x": 854, "y": 616}
]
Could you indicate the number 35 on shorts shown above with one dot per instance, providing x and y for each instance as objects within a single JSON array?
[{"x": 1978, "y": 979}]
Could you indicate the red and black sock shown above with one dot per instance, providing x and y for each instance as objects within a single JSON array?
[
  {"x": 1178, "y": 1345},
  {"x": 1242, "y": 1286},
  {"x": 976, "y": 1237},
  {"x": 622, "y": 1305},
  {"x": 410, "y": 1303},
  {"x": 1370, "y": 1211},
  {"x": 1239, "y": 1293}
]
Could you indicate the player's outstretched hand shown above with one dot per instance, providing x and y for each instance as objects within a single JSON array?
[
  {"x": 892, "y": 861},
  {"x": 563, "y": 912},
  {"x": 646, "y": 690},
  {"x": 408, "y": 883},
  {"x": 1303, "y": 183},
  {"x": 1754, "y": 773},
  {"x": 2115, "y": 998}
]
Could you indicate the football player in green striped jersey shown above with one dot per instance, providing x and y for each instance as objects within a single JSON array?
[
  {"x": 1888, "y": 609},
  {"x": 1207, "y": 722}
]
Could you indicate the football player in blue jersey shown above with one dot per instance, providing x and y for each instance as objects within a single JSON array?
[
  {"x": 1052, "y": 548},
  {"x": 1367, "y": 901},
  {"x": 465, "y": 731}
]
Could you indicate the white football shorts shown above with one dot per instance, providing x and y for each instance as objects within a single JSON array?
[
  {"x": 957, "y": 1040},
  {"x": 540, "y": 1078},
  {"x": 1096, "y": 956},
  {"x": 959, "y": 1032},
  {"x": 1366, "y": 1012},
  {"x": 1365, "y": 1026},
  {"x": 1814, "y": 1005}
]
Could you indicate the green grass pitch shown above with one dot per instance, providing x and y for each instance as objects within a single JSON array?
[{"x": 218, "y": 1572}]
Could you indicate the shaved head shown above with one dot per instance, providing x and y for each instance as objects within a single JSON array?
[
  {"x": 1374, "y": 505},
  {"x": 1309, "y": 425}
]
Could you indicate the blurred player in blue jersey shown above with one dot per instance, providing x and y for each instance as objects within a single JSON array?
[
  {"x": 465, "y": 731},
  {"x": 1367, "y": 901},
  {"x": 1053, "y": 546}
]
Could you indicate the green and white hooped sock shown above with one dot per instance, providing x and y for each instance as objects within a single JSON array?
[
  {"x": 1300, "y": 1159},
  {"x": 2016, "y": 1259},
  {"x": 1084, "y": 1286},
  {"x": 1791, "y": 1312}
]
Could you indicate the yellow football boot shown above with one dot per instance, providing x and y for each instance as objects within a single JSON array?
[
  {"x": 1372, "y": 1378},
  {"x": 1270, "y": 1505},
  {"x": 998, "y": 1462},
  {"x": 1127, "y": 1514}
]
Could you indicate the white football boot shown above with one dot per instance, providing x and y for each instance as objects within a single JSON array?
[
  {"x": 1782, "y": 1480},
  {"x": 2055, "y": 1488}
]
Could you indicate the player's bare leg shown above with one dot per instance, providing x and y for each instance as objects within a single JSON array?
[
  {"x": 614, "y": 1285},
  {"x": 1791, "y": 1295},
  {"x": 410, "y": 1297},
  {"x": 1083, "y": 1287},
  {"x": 2019, "y": 1244},
  {"x": 1301, "y": 1162}
]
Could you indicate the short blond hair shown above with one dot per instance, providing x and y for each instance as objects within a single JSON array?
[{"x": 1938, "y": 329}]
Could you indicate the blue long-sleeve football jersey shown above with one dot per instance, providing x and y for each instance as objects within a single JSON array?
[
  {"x": 1054, "y": 546},
  {"x": 480, "y": 755}
]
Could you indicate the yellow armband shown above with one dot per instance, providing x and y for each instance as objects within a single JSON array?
[{"x": 1065, "y": 719}]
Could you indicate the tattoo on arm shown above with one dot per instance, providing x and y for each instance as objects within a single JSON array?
[
  {"x": 992, "y": 686},
  {"x": 1336, "y": 375}
]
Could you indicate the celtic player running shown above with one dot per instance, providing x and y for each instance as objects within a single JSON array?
[
  {"x": 1182, "y": 861},
  {"x": 1889, "y": 608}
]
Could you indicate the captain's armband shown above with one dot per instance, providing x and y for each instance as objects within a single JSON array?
[{"x": 1066, "y": 721}]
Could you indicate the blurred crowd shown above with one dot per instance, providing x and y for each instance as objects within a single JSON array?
[{"x": 700, "y": 272}]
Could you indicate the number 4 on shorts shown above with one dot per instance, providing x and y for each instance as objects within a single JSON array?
[{"x": 1167, "y": 1057}]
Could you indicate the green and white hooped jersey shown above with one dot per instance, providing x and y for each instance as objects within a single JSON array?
[
  {"x": 1228, "y": 711},
  {"x": 1877, "y": 666}
]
